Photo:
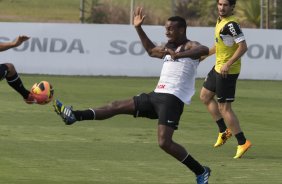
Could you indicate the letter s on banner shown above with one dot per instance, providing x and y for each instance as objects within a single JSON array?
[{"x": 119, "y": 45}]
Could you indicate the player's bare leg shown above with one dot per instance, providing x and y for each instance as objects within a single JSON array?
[
  {"x": 207, "y": 97},
  {"x": 233, "y": 123},
  {"x": 115, "y": 108},
  {"x": 8, "y": 72},
  {"x": 166, "y": 143},
  {"x": 230, "y": 117},
  {"x": 70, "y": 116}
]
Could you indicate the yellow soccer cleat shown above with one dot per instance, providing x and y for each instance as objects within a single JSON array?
[
  {"x": 241, "y": 149},
  {"x": 222, "y": 138}
]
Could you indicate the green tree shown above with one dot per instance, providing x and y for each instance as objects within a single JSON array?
[
  {"x": 116, "y": 12},
  {"x": 249, "y": 13},
  {"x": 209, "y": 13},
  {"x": 279, "y": 15},
  {"x": 95, "y": 12},
  {"x": 197, "y": 13}
]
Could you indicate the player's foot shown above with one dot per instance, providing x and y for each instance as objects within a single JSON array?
[
  {"x": 65, "y": 112},
  {"x": 222, "y": 138},
  {"x": 35, "y": 99},
  {"x": 241, "y": 149},
  {"x": 203, "y": 178}
]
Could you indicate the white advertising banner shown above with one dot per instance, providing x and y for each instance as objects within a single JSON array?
[{"x": 115, "y": 50}]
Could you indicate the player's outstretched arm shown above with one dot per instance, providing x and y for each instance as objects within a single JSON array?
[
  {"x": 19, "y": 40},
  {"x": 149, "y": 46}
]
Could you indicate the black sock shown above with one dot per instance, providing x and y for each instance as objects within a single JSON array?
[
  {"x": 88, "y": 114},
  {"x": 240, "y": 138},
  {"x": 221, "y": 125},
  {"x": 16, "y": 83},
  {"x": 3, "y": 71},
  {"x": 193, "y": 165}
]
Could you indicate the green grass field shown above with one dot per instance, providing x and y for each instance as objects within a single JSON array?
[{"x": 36, "y": 147}]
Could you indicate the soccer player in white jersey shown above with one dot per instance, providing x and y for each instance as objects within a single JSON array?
[{"x": 175, "y": 87}]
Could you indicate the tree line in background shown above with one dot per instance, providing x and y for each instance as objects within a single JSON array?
[{"x": 196, "y": 12}]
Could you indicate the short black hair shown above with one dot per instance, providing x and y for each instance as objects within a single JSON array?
[
  {"x": 231, "y": 2},
  {"x": 180, "y": 21}
]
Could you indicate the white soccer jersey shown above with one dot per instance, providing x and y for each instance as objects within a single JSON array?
[{"x": 178, "y": 78}]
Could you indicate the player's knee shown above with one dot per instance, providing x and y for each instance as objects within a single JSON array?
[
  {"x": 165, "y": 144},
  {"x": 11, "y": 68},
  {"x": 206, "y": 96},
  {"x": 113, "y": 105},
  {"x": 224, "y": 108},
  {"x": 205, "y": 99}
]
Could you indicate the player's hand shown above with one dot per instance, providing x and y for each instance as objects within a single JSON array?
[
  {"x": 171, "y": 53},
  {"x": 138, "y": 17},
  {"x": 20, "y": 39},
  {"x": 224, "y": 70},
  {"x": 158, "y": 52}
]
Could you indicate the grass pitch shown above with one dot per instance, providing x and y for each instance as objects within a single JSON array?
[{"x": 36, "y": 147}]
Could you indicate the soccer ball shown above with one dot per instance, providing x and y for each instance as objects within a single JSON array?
[{"x": 45, "y": 90}]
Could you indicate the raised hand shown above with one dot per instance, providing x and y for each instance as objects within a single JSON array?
[{"x": 138, "y": 17}]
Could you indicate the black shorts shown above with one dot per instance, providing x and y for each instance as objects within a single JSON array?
[
  {"x": 165, "y": 107},
  {"x": 224, "y": 88}
]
